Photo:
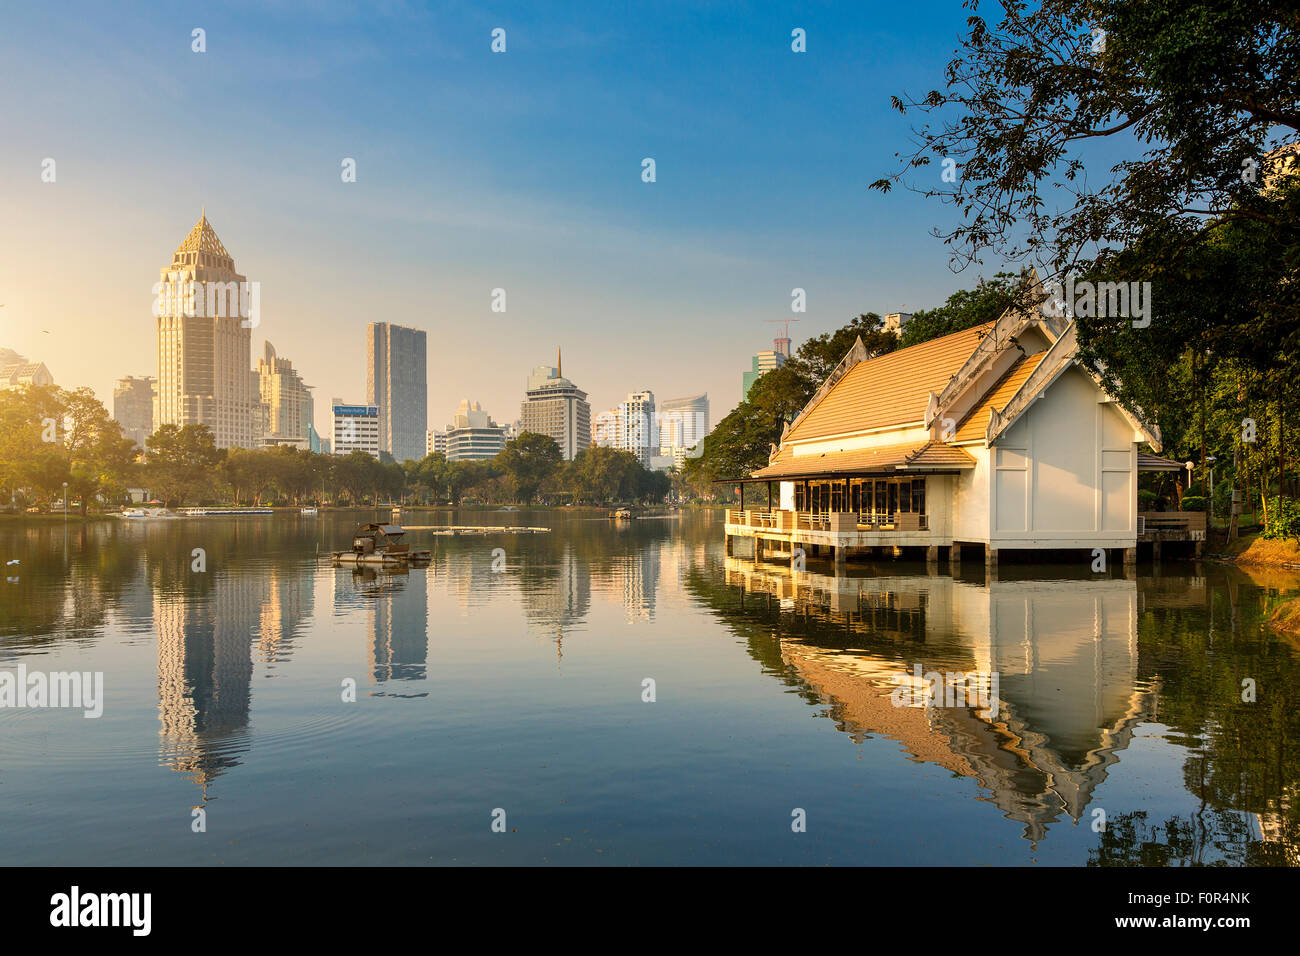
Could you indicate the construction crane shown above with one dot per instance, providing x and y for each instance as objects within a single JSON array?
[{"x": 783, "y": 344}]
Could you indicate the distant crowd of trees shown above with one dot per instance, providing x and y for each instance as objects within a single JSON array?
[{"x": 54, "y": 441}]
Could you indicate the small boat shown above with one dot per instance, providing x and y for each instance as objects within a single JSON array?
[
  {"x": 622, "y": 514},
  {"x": 379, "y": 544},
  {"x": 309, "y": 511},
  {"x": 147, "y": 514}
]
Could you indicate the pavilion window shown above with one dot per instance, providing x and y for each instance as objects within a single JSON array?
[{"x": 918, "y": 496}]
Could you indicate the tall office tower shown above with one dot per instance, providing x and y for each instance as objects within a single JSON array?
[
  {"x": 356, "y": 428},
  {"x": 133, "y": 400},
  {"x": 397, "y": 362},
  {"x": 554, "y": 406},
  {"x": 287, "y": 406},
  {"x": 472, "y": 435},
  {"x": 638, "y": 429},
  {"x": 205, "y": 312},
  {"x": 763, "y": 362},
  {"x": 683, "y": 422}
]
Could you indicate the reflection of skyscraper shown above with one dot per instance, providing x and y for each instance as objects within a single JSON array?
[
  {"x": 399, "y": 632},
  {"x": 205, "y": 668},
  {"x": 560, "y": 598},
  {"x": 286, "y": 610}
]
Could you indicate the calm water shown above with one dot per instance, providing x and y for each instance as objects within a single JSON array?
[{"x": 522, "y": 690}]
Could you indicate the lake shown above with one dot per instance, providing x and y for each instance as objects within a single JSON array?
[{"x": 625, "y": 693}]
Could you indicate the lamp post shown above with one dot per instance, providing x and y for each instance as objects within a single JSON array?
[{"x": 65, "y": 502}]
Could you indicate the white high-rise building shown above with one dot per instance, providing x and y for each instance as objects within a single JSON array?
[
  {"x": 356, "y": 428},
  {"x": 683, "y": 422},
  {"x": 204, "y": 314},
  {"x": 638, "y": 431}
]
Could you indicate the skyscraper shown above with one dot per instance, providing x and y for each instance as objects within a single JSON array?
[
  {"x": 639, "y": 430},
  {"x": 133, "y": 401},
  {"x": 287, "y": 407},
  {"x": 204, "y": 315},
  {"x": 554, "y": 406},
  {"x": 683, "y": 421},
  {"x": 397, "y": 362}
]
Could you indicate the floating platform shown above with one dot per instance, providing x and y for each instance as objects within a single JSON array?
[
  {"x": 455, "y": 529},
  {"x": 381, "y": 559}
]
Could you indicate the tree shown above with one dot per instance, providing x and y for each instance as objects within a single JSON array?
[
  {"x": 1200, "y": 103},
  {"x": 527, "y": 461},
  {"x": 180, "y": 462}
]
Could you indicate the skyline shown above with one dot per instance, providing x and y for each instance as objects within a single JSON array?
[{"x": 762, "y": 156}]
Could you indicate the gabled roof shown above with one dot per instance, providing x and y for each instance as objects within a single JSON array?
[
  {"x": 909, "y": 456},
  {"x": 975, "y": 425},
  {"x": 889, "y": 390}
]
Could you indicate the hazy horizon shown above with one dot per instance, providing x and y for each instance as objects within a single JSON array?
[{"x": 518, "y": 170}]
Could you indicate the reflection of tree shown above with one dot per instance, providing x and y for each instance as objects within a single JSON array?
[
  {"x": 98, "y": 566},
  {"x": 1212, "y": 837},
  {"x": 1244, "y": 757}
]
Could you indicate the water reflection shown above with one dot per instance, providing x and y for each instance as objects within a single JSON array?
[
  {"x": 1084, "y": 662},
  {"x": 1121, "y": 694}
]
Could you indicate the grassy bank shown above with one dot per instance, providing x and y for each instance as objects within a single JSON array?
[{"x": 1252, "y": 549}]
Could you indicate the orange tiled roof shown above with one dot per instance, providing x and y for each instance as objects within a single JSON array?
[
  {"x": 975, "y": 425},
  {"x": 890, "y": 389},
  {"x": 887, "y": 459}
]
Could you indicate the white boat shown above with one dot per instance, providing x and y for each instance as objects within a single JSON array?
[
  {"x": 148, "y": 514},
  {"x": 309, "y": 511}
]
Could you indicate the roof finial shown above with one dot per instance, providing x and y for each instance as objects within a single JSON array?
[{"x": 204, "y": 213}]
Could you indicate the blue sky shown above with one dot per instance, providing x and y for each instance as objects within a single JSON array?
[{"x": 475, "y": 171}]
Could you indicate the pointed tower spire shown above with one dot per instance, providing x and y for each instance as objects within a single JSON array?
[{"x": 559, "y": 363}]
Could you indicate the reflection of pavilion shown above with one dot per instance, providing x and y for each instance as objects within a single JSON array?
[{"x": 1065, "y": 652}]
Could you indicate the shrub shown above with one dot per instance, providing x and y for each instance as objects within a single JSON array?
[
  {"x": 1193, "y": 503},
  {"x": 1283, "y": 519},
  {"x": 1147, "y": 500}
]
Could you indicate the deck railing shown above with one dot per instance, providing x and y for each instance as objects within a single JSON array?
[
  {"x": 823, "y": 521},
  {"x": 1173, "y": 521}
]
